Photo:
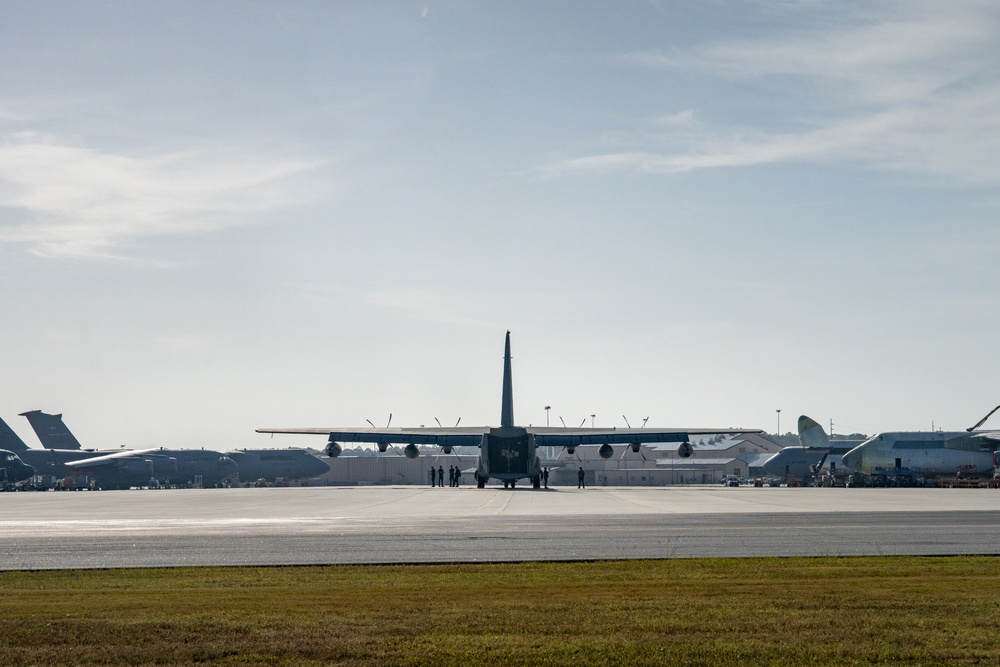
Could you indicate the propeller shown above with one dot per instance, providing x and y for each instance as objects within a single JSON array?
[{"x": 386, "y": 424}]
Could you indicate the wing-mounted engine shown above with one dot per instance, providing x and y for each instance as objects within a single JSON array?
[
  {"x": 333, "y": 449},
  {"x": 411, "y": 451},
  {"x": 685, "y": 450},
  {"x": 606, "y": 451},
  {"x": 135, "y": 465},
  {"x": 164, "y": 465}
]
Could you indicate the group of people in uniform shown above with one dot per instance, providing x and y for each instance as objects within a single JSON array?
[{"x": 454, "y": 476}]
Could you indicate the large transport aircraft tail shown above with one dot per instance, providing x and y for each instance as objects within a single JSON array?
[
  {"x": 51, "y": 430},
  {"x": 9, "y": 440},
  {"x": 811, "y": 434},
  {"x": 507, "y": 405}
]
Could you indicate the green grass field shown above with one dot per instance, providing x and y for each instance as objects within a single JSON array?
[{"x": 821, "y": 611}]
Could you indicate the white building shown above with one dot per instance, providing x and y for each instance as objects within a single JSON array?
[{"x": 714, "y": 457}]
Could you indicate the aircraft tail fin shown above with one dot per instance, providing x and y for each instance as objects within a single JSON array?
[
  {"x": 9, "y": 440},
  {"x": 507, "y": 406},
  {"x": 51, "y": 430},
  {"x": 811, "y": 434}
]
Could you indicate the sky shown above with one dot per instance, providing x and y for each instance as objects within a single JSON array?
[{"x": 220, "y": 216}]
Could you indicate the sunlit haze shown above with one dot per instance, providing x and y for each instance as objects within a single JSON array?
[{"x": 216, "y": 217}]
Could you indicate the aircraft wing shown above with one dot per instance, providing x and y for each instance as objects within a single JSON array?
[
  {"x": 471, "y": 436},
  {"x": 463, "y": 436},
  {"x": 109, "y": 459},
  {"x": 574, "y": 437}
]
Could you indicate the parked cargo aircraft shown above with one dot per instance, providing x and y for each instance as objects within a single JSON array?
[
  {"x": 46, "y": 462},
  {"x": 128, "y": 468},
  {"x": 507, "y": 452},
  {"x": 930, "y": 453},
  {"x": 816, "y": 450},
  {"x": 13, "y": 469},
  {"x": 118, "y": 469},
  {"x": 270, "y": 464},
  {"x": 121, "y": 469}
]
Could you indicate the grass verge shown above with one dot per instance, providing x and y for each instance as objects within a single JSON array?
[{"x": 770, "y": 611}]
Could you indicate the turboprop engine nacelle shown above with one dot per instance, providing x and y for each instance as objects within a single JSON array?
[
  {"x": 411, "y": 451},
  {"x": 446, "y": 450},
  {"x": 685, "y": 450},
  {"x": 333, "y": 449},
  {"x": 606, "y": 451}
]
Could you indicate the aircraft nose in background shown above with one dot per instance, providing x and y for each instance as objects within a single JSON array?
[
  {"x": 315, "y": 467},
  {"x": 853, "y": 458}
]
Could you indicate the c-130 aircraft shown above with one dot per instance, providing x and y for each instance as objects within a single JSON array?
[{"x": 507, "y": 452}]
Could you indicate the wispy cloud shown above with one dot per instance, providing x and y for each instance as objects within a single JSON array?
[
  {"x": 68, "y": 200},
  {"x": 913, "y": 89}
]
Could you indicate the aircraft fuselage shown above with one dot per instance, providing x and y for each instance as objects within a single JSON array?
[
  {"x": 927, "y": 452},
  {"x": 508, "y": 453}
]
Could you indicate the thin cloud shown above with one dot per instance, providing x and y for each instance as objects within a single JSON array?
[
  {"x": 68, "y": 200},
  {"x": 912, "y": 91}
]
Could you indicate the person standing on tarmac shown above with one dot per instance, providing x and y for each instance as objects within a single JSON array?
[
  {"x": 545, "y": 477},
  {"x": 579, "y": 479},
  {"x": 441, "y": 476},
  {"x": 432, "y": 477}
]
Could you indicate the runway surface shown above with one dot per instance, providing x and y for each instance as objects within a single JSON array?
[{"x": 330, "y": 525}]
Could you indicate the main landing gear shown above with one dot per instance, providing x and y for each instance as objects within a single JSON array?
[{"x": 511, "y": 482}]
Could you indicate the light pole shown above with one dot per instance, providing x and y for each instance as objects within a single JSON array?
[
  {"x": 547, "y": 408},
  {"x": 779, "y": 421}
]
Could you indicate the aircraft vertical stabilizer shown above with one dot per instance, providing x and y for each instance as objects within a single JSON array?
[
  {"x": 51, "y": 430},
  {"x": 9, "y": 440},
  {"x": 507, "y": 407},
  {"x": 811, "y": 434}
]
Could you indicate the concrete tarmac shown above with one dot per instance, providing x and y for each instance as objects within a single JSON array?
[{"x": 407, "y": 524}]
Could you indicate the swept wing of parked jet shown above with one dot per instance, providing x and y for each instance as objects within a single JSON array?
[{"x": 507, "y": 452}]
